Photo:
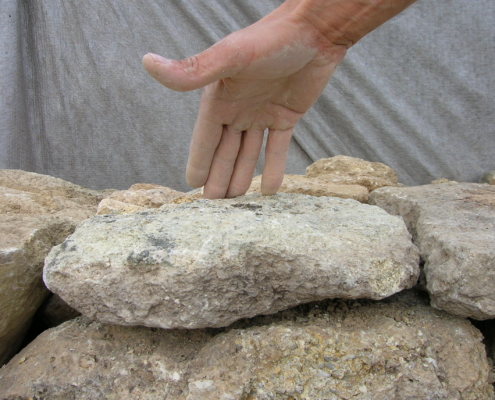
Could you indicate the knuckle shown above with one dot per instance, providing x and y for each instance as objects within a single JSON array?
[{"x": 191, "y": 64}]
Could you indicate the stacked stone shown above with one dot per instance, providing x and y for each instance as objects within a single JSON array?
[
  {"x": 37, "y": 212},
  {"x": 291, "y": 296}
]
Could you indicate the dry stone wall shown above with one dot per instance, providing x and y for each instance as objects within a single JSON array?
[
  {"x": 398, "y": 349},
  {"x": 454, "y": 227},
  {"x": 36, "y": 213},
  {"x": 198, "y": 263}
]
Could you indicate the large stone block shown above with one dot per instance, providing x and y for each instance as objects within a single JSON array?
[
  {"x": 209, "y": 263},
  {"x": 315, "y": 187},
  {"x": 36, "y": 213},
  {"x": 344, "y": 170},
  {"x": 327, "y": 350},
  {"x": 139, "y": 197},
  {"x": 454, "y": 227}
]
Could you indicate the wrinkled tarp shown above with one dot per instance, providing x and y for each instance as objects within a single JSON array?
[{"x": 417, "y": 94}]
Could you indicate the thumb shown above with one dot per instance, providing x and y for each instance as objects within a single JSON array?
[{"x": 219, "y": 61}]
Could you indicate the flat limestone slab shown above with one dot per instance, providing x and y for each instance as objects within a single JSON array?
[
  {"x": 453, "y": 225},
  {"x": 211, "y": 262},
  {"x": 315, "y": 187}
]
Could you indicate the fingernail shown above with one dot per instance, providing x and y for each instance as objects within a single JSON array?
[{"x": 159, "y": 59}]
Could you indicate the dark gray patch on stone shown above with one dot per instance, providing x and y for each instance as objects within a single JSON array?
[
  {"x": 162, "y": 243},
  {"x": 251, "y": 207}
]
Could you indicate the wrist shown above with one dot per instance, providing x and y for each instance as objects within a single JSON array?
[{"x": 344, "y": 22}]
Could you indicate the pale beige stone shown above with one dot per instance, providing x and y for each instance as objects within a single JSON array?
[
  {"x": 398, "y": 349},
  {"x": 440, "y": 181},
  {"x": 453, "y": 225},
  {"x": 189, "y": 197},
  {"x": 36, "y": 213},
  {"x": 378, "y": 352},
  {"x": 211, "y": 262},
  {"x": 111, "y": 206},
  {"x": 488, "y": 177},
  {"x": 86, "y": 360},
  {"x": 138, "y": 197},
  {"x": 314, "y": 187},
  {"x": 146, "y": 186},
  {"x": 345, "y": 170}
]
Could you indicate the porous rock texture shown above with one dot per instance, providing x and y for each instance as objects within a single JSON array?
[
  {"x": 488, "y": 177},
  {"x": 315, "y": 187},
  {"x": 344, "y": 170},
  {"x": 212, "y": 262},
  {"x": 399, "y": 349},
  {"x": 454, "y": 227},
  {"x": 36, "y": 213},
  {"x": 138, "y": 197}
]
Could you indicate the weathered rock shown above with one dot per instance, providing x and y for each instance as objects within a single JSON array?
[
  {"x": 111, "y": 206},
  {"x": 209, "y": 263},
  {"x": 189, "y": 197},
  {"x": 343, "y": 170},
  {"x": 36, "y": 213},
  {"x": 87, "y": 360},
  {"x": 327, "y": 350},
  {"x": 372, "y": 353},
  {"x": 488, "y": 177},
  {"x": 440, "y": 181},
  {"x": 138, "y": 197},
  {"x": 454, "y": 227},
  {"x": 314, "y": 187}
]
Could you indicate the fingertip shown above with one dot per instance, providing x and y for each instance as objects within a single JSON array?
[
  {"x": 159, "y": 59},
  {"x": 269, "y": 192},
  {"x": 236, "y": 191},
  {"x": 270, "y": 186},
  {"x": 212, "y": 191},
  {"x": 167, "y": 72},
  {"x": 151, "y": 62},
  {"x": 195, "y": 182}
]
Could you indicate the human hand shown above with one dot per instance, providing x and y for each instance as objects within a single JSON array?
[{"x": 265, "y": 76}]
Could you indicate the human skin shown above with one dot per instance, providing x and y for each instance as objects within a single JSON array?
[{"x": 265, "y": 76}]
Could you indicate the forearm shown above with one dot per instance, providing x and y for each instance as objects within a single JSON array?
[{"x": 345, "y": 21}]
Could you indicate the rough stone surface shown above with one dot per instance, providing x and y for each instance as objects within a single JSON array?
[
  {"x": 138, "y": 197},
  {"x": 209, "y": 263},
  {"x": 314, "y": 187},
  {"x": 488, "y": 177},
  {"x": 454, "y": 227},
  {"x": 343, "y": 170},
  {"x": 440, "y": 181},
  {"x": 394, "y": 350},
  {"x": 111, "y": 206},
  {"x": 87, "y": 360},
  {"x": 370, "y": 354},
  {"x": 36, "y": 213},
  {"x": 189, "y": 197}
]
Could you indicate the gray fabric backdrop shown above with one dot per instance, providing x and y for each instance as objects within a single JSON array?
[{"x": 418, "y": 93}]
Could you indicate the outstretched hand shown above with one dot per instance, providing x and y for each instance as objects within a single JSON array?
[{"x": 265, "y": 76}]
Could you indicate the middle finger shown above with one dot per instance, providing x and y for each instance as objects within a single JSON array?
[{"x": 223, "y": 163}]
